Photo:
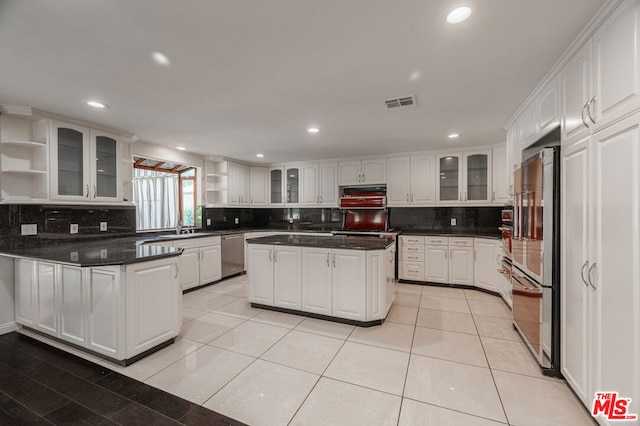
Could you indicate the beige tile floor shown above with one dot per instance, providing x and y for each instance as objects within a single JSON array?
[{"x": 443, "y": 357}]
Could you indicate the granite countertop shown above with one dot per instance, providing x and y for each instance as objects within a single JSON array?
[
  {"x": 333, "y": 242},
  {"x": 488, "y": 235},
  {"x": 113, "y": 251}
]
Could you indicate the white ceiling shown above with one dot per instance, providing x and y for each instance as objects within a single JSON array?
[{"x": 250, "y": 76}]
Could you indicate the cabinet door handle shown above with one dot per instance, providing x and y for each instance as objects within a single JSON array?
[
  {"x": 328, "y": 260},
  {"x": 589, "y": 109},
  {"x": 363, "y": 178},
  {"x": 465, "y": 196},
  {"x": 446, "y": 252},
  {"x": 270, "y": 255},
  {"x": 334, "y": 260},
  {"x": 493, "y": 197},
  {"x": 275, "y": 255},
  {"x": 407, "y": 197},
  {"x": 498, "y": 259},
  {"x": 95, "y": 192},
  {"x": 321, "y": 200},
  {"x": 412, "y": 197},
  {"x": 87, "y": 191},
  {"x": 592, "y": 268},
  {"x": 475, "y": 255},
  {"x": 586, "y": 262},
  {"x": 459, "y": 196},
  {"x": 584, "y": 121}
]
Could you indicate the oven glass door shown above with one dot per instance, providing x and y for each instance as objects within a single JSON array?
[{"x": 527, "y": 311}]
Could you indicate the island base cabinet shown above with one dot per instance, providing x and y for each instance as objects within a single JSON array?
[
  {"x": 287, "y": 270},
  {"x": 381, "y": 279},
  {"x": 115, "y": 311},
  {"x": 316, "y": 280},
  {"x": 261, "y": 274},
  {"x": 152, "y": 314},
  {"x": 105, "y": 311},
  {"x": 349, "y": 284},
  {"x": 24, "y": 274},
  {"x": 72, "y": 306}
]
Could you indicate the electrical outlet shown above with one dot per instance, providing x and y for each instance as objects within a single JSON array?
[
  {"x": 29, "y": 229},
  {"x": 74, "y": 256},
  {"x": 453, "y": 221},
  {"x": 104, "y": 253},
  {"x": 236, "y": 220},
  {"x": 208, "y": 222},
  {"x": 73, "y": 228},
  {"x": 103, "y": 226}
]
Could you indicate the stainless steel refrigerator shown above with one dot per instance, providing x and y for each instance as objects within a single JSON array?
[{"x": 536, "y": 251}]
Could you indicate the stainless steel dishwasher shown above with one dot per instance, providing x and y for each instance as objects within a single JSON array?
[{"x": 232, "y": 254}]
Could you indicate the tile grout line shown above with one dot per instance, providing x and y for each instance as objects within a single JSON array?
[
  {"x": 406, "y": 374},
  {"x": 489, "y": 365},
  {"x": 321, "y": 375}
]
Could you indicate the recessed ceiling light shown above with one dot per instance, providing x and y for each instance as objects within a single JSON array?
[
  {"x": 160, "y": 59},
  {"x": 458, "y": 15},
  {"x": 453, "y": 135},
  {"x": 97, "y": 104},
  {"x": 181, "y": 148},
  {"x": 313, "y": 130},
  {"x": 259, "y": 155},
  {"x": 448, "y": 158}
]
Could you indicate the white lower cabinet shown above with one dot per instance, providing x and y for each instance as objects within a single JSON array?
[
  {"x": 436, "y": 259},
  {"x": 486, "y": 264},
  {"x": 200, "y": 262},
  {"x": 316, "y": 280},
  {"x": 461, "y": 261},
  {"x": 152, "y": 314},
  {"x": 210, "y": 263},
  {"x": 350, "y": 284},
  {"x": 117, "y": 311},
  {"x": 287, "y": 270},
  {"x": 105, "y": 311}
]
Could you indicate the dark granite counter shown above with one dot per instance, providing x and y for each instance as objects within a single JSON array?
[
  {"x": 334, "y": 242},
  {"x": 490, "y": 235},
  {"x": 113, "y": 251}
]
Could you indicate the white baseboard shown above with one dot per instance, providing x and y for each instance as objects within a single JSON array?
[{"x": 8, "y": 327}]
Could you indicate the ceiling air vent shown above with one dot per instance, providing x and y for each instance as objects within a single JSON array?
[{"x": 406, "y": 101}]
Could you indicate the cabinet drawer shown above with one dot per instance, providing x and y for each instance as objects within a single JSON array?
[
  {"x": 412, "y": 249},
  {"x": 413, "y": 257},
  {"x": 461, "y": 242},
  {"x": 436, "y": 241},
  {"x": 411, "y": 239},
  {"x": 413, "y": 271}
]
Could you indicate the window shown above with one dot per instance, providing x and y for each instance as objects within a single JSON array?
[{"x": 165, "y": 194}]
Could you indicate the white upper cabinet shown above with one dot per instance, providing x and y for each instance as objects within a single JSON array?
[
  {"x": 259, "y": 186},
  {"x": 464, "y": 178},
  {"x": 575, "y": 86},
  {"x": 320, "y": 184},
  {"x": 542, "y": 115},
  {"x": 85, "y": 164},
  {"x": 293, "y": 184},
  {"x": 238, "y": 192},
  {"x": 361, "y": 172},
  {"x": 616, "y": 65},
  {"x": 410, "y": 180},
  {"x": 500, "y": 175},
  {"x": 276, "y": 185}
]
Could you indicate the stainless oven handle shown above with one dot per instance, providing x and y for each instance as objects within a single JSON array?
[{"x": 586, "y": 262}]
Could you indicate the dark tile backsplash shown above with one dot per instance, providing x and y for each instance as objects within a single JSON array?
[
  {"x": 471, "y": 220},
  {"x": 54, "y": 222},
  {"x": 278, "y": 218}
]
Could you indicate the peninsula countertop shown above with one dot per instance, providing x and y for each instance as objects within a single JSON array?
[
  {"x": 330, "y": 242},
  {"x": 111, "y": 251}
]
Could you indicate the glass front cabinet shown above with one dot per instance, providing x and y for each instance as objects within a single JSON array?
[
  {"x": 275, "y": 186},
  {"x": 85, "y": 164},
  {"x": 464, "y": 178}
]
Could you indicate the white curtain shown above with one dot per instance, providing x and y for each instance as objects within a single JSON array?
[{"x": 156, "y": 198}]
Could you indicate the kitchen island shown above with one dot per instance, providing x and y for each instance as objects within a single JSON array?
[
  {"x": 114, "y": 298},
  {"x": 340, "y": 278}
]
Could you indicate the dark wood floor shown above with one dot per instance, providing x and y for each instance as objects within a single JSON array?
[{"x": 40, "y": 384}]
